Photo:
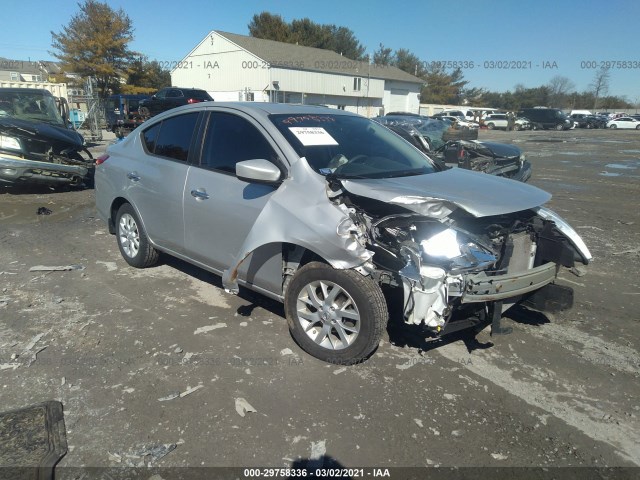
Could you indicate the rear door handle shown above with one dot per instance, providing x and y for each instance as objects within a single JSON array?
[
  {"x": 133, "y": 176},
  {"x": 200, "y": 194}
]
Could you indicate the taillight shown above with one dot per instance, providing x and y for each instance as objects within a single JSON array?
[
  {"x": 194, "y": 100},
  {"x": 101, "y": 159}
]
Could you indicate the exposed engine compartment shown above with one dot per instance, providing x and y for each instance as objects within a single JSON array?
[{"x": 436, "y": 261}]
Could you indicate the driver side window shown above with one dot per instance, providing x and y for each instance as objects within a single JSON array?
[{"x": 231, "y": 139}]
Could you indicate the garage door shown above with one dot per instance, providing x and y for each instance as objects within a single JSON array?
[{"x": 398, "y": 100}]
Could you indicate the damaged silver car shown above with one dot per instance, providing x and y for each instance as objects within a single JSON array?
[
  {"x": 324, "y": 210},
  {"x": 36, "y": 144}
]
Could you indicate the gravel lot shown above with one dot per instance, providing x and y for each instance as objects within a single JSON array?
[{"x": 120, "y": 344}]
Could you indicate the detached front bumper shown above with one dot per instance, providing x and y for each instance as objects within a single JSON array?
[
  {"x": 15, "y": 170},
  {"x": 484, "y": 288}
]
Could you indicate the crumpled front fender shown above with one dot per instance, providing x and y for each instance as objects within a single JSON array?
[{"x": 300, "y": 212}]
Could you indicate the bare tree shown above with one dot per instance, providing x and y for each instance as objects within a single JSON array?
[
  {"x": 600, "y": 85},
  {"x": 559, "y": 89}
]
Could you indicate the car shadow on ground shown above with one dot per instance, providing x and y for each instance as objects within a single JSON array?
[
  {"x": 400, "y": 334},
  {"x": 254, "y": 299}
]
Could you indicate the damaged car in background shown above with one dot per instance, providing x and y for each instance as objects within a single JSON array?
[
  {"x": 36, "y": 144},
  {"x": 494, "y": 158},
  {"x": 325, "y": 211}
]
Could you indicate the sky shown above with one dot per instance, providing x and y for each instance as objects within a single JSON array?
[{"x": 501, "y": 43}]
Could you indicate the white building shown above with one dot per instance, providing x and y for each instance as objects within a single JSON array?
[{"x": 239, "y": 68}]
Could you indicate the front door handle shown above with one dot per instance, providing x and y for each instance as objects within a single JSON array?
[
  {"x": 200, "y": 194},
  {"x": 133, "y": 176}
]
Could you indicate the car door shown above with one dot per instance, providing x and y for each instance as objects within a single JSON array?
[
  {"x": 154, "y": 104},
  {"x": 175, "y": 98},
  {"x": 219, "y": 208},
  {"x": 156, "y": 179}
]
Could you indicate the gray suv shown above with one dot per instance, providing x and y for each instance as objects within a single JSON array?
[{"x": 324, "y": 210}]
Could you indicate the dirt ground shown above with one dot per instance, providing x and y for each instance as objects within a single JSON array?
[{"x": 118, "y": 345}]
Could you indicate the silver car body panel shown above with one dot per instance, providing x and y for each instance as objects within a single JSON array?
[{"x": 300, "y": 212}]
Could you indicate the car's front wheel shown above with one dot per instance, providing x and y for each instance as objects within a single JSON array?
[
  {"x": 133, "y": 242},
  {"x": 335, "y": 315},
  {"x": 613, "y": 126},
  {"x": 491, "y": 126},
  {"x": 559, "y": 127},
  {"x": 637, "y": 127}
]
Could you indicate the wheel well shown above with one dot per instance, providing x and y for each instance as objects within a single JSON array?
[{"x": 115, "y": 206}]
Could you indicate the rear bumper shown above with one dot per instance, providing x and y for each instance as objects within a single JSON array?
[
  {"x": 15, "y": 170},
  {"x": 483, "y": 288}
]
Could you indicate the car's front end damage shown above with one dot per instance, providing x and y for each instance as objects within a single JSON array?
[
  {"x": 36, "y": 145},
  {"x": 457, "y": 267}
]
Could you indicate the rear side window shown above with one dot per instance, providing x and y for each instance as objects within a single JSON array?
[
  {"x": 172, "y": 137},
  {"x": 149, "y": 137},
  {"x": 231, "y": 139}
]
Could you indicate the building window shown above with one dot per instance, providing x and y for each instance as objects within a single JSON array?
[
  {"x": 14, "y": 76},
  {"x": 357, "y": 84}
]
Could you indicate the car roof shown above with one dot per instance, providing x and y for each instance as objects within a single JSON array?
[
  {"x": 269, "y": 108},
  {"x": 258, "y": 109}
]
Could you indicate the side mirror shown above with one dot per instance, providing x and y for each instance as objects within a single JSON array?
[{"x": 259, "y": 170}]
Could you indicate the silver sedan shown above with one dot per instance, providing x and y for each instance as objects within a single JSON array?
[{"x": 324, "y": 210}]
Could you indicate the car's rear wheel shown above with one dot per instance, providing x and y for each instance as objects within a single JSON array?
[
  {"x": 133, "y": 242},
  {"x": 637, "y": 127},
  {"x": 613, "y": 126},
  {"x": 335, "y": 315}
]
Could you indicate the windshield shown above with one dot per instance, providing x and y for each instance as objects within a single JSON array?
[
  {"x": 34, "y": 106},
  {"x": 351, "y": 147}
]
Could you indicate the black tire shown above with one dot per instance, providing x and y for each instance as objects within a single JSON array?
[
  {"x": 491, "y": 126},
  {"x": 132, "y": 239},
  {"x": 637, "y": 127},
  {"x": 365, "y": 322},
  {"x": 559, "y": 127},
  {"x": 613, "y": 126}
]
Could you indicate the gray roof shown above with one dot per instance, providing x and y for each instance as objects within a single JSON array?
[
  {"x": 29, "y": 66},
  {"x": 288, "y": 55},
  {"x": 21, "y": 66}
]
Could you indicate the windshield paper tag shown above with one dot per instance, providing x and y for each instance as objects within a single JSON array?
[{"x": 313, "y": 136}]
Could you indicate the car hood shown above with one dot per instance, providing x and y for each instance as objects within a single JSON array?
[
  {"x": 59, "y": 136},
  {"x": 503, "y": 150},
  {"x": 438, "y": 194}
]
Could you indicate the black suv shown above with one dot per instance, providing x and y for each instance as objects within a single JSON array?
[
  {"x": 543, "y": 118},
  {"x": 172, "y": 97}
]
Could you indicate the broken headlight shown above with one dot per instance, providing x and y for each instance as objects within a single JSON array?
[
  {"x": 9, "y": 143},
  {"x": 568, "y": 231},
  {"x": 456, "y": 251}
]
